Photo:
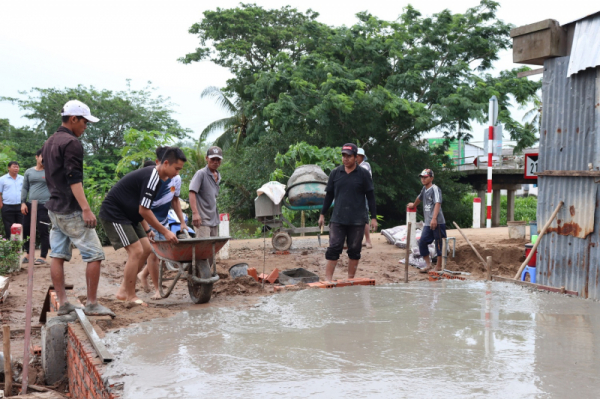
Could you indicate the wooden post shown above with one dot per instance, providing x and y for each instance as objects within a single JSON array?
[
  {"x": 302, "y": 222},
  {"x": 32, "y": 233},
  {"x": 7, "y": 365},
  {"x": 407, "y": 252},
  {"x": 489, "y": 268},
  {"x": 444, "y": 253},
  {"x": 518, "y": 275}
]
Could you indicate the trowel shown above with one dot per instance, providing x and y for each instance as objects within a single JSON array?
[{"x": 319, "y": 236}]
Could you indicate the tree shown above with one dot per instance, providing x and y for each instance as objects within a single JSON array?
[
  {"x": 140, "y": 146},
  {"x": 380, "y": 83},
  {"x": 118, "y": 112},
  {"x": 233, "y": 128},
  {"x": 22, "y": 142}
]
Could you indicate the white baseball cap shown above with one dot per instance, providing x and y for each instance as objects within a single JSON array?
[
  {"x": 77, "y": 108},
  {"x": 361, "y": 151}
]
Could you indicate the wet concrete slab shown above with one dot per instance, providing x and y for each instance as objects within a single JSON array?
[{"x": 426, "y": 339}]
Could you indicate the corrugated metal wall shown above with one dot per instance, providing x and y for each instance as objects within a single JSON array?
[{"x": 569, "y": 140}]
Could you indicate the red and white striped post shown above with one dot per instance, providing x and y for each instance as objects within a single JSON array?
[{"x": 493, "y": 112}]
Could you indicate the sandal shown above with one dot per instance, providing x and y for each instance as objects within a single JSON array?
[
  {"x": 425, "y": 269},
  {"x": 40, "y": 261},
  {"x": 25, "y": 260}
]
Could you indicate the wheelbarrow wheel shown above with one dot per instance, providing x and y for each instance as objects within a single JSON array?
[
  {"x": 200, "y": 293},
  {"x": 281, "y": 241}
]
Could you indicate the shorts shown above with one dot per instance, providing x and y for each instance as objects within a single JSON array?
[
  {"x": 337, "y": 236},
  {"x": 123, "y": 235},
  {"x": 157, "y": 236},
  {"x": 207, "y": 231},
  {"x": 67, "y": 229},
  {"x": 428, "y": 236}
]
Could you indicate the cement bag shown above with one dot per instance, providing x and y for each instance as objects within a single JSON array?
[
  {"x": 401, "y": 240},
  {"x": 274, "y": 190},
  {"x": 392, "y": 235}
]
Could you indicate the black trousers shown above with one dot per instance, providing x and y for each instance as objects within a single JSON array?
[
  {"x": 11, "y": 214},
  {"x": 42, "y": 228}
]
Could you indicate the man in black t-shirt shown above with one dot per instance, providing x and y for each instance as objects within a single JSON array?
[
  {"x": 349, "y": 185},
  {"x": 125, "y": 214}
]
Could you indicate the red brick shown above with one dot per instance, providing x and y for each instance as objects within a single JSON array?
[
  {"x": 271, "y": 278},
  {"x": 252, "y": 273}
]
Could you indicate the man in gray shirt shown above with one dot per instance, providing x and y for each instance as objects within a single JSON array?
[
  {"x": 204, "y": 190},
  {"x": 34, "y": 185},
  {"x": 434, "y": 226}
]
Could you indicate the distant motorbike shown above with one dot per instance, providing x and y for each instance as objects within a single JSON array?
[{"x": 175, "y": 224}]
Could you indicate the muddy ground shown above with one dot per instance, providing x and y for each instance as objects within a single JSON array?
[{"x": 379, "y": 263}]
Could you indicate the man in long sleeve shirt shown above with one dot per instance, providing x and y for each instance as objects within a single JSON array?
[
  {"x": 348, "y": 185},
  {"x": 72, "y": 219}
]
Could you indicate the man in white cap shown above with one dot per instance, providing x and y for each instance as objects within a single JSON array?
[
  {"x": 68, "y": 209},
  {"x": 361, "y": 158}
]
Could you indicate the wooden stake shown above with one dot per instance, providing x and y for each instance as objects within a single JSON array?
[
  {"x": 7, "y": 365},
  {"x": 489, "y": 268},
  {"x": 518, "y": 275},
  {"x": 407, "y": 252},
  {"x": 444, "y": 253},
  {"x": 472, "y": 247},
  {"x": 32, "y": 233}
]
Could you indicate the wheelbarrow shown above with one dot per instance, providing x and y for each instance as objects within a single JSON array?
[{"x": 190, "y": 255}]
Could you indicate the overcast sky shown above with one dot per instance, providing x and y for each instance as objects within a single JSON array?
[{"x": 51, "y": 43}]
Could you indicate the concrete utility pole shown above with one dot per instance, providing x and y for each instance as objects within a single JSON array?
[{"x": 493, "y": 115}]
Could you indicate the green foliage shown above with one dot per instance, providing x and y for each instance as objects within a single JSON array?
[
  {"x": 95, "y": 199},
  {"x": 118, "y": 112},
  {"x": 303, "y": 154},
  {"x": 7, "y": 154},
  {"x": 525, "y": 209},
  {"x": 380, "y": 83},
  {"x": 18, "y": 144},
  {"x": 99, "y": 176},
  {"x": 232, "y": 129},
  {"x": 140, "y": 146},
  {"x": 9, "y": 255}
]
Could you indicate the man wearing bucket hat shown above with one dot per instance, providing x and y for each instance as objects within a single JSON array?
[
  {"x": 434, "y": 226},
  {"x": 72, "y": 219},
  {"x": 361, "y": 158},
  {"x": 348, "y": 185}
]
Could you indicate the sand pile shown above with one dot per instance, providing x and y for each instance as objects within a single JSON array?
[{"x": 506, "y": 258}]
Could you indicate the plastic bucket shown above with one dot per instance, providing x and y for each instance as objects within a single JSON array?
[
  {"x": 517, "y": 230},
  {"x": 533, "y": 228},
  {"x": 532, "y": 262}
]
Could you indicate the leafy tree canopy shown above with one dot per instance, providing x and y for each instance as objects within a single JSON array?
[
  {"x": 18, "y": 144},
  {"x": 380, "y": 83},
  {"x": 118, "y": 112}
]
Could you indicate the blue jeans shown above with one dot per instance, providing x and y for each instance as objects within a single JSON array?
[{"x": 428, "y": 236}]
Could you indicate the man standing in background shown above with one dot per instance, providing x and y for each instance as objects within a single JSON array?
[
  {"x": 204, "y": 190},
  {"x": 362, "y": 162},
  {"x": 34, "y": 186},
  {"x": 10, "y": 197}
]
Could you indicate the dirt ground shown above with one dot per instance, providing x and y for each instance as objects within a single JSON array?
[{"x": 379, "y": 263}]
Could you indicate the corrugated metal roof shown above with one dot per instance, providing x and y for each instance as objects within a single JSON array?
[
  {"x": 569, "y": 140},
  {"x": 585, "y": 52}
]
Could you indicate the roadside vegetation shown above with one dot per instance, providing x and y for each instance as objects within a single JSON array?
[{"x": 298, "y": 90}]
